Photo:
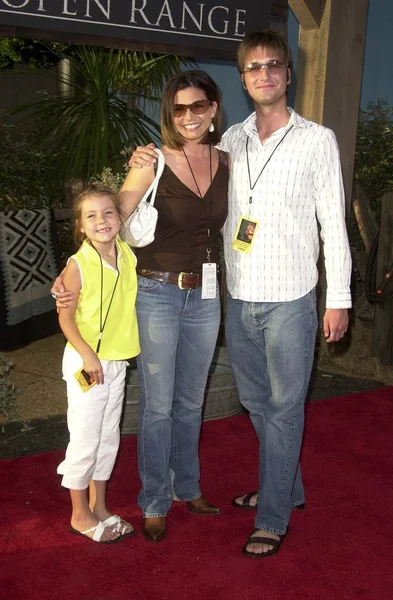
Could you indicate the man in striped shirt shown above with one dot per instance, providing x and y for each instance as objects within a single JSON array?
[{"x": 286, "y": 177}]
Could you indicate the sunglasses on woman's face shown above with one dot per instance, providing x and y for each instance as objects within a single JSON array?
[{"x": 197, "y": 108}]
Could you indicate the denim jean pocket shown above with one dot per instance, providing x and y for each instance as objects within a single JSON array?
[{"x": 145, "y": 283}]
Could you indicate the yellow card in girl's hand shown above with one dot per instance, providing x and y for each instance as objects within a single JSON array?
[{"x": 84, "y": 380}]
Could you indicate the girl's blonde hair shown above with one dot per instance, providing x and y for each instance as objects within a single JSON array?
[{"x": 93, "y": 189}]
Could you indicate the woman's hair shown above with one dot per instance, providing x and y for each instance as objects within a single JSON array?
[
  {"x": 181, "y": 81},
  {"x": 263, "y": 39},
  {"x": 93, "y": 189}
]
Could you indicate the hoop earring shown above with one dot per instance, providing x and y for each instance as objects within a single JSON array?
[{"x": 211, "y": 127}]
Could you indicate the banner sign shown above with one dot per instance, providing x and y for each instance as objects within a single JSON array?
[{"x": 216, "y": 25}]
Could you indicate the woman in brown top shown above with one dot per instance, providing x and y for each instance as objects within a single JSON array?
[{"x": 178, "y": 304}]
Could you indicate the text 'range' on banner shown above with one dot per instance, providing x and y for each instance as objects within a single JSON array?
[{"x": 215, "y": 27}]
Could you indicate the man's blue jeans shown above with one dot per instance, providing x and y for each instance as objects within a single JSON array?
[
  {"x": 178, "y": 333},
  {"x": 271, "y": 348}
]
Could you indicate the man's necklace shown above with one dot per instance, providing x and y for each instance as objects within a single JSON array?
[{"x": 252, "y": 185}]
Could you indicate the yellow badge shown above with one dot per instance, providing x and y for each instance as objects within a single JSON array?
[
  {"x": 245, "y": 235},
  {"x": 84, "y": 380}
]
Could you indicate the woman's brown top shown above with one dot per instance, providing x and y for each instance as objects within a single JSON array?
[{"x": 181, "y": 237}]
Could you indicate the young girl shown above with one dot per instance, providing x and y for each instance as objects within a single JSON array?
[{"x": 101, "y": 328}]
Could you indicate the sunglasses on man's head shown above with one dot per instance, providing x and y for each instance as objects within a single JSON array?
[{"x": 197, "y": 108}]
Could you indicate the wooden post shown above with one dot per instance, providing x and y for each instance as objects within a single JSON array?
[
  {"x": 330, "y": 65},
  {"x": 308, "y": 12},
  {"x": 382, "y": 338}
]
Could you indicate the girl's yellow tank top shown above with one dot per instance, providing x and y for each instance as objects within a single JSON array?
[{"x": 120, "y": 335}]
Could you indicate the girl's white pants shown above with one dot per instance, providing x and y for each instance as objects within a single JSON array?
[{"x": 93, "y": 421}]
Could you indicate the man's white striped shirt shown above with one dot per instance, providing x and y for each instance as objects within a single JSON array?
[{"x": 302, "y": 183}]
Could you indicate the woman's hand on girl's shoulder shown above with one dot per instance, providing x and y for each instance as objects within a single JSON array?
[
  {"x": 60, "y": 293},
  {"x": 70, "y": 284}
]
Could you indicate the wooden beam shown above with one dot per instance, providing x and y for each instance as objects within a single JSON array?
[
  {"x": 109, "y": 42},
  {"x": 308, "y": 12},
  {"x": 329, "y": 75}
]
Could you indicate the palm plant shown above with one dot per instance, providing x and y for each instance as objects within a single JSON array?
[{"x": 88, "y": 128}]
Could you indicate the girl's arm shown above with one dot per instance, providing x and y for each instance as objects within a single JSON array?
[
  {"x": 134, "y": 187},
  {"x": 91, "y": 362}
]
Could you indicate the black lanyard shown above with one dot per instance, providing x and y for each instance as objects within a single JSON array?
[
  {"x": 102, "y": 324},
  {"x": 210, "y": 204},
  {"x": 252, "y": 186}
]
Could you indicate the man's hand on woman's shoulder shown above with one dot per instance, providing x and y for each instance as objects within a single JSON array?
[{"x": 143, "y": 156}]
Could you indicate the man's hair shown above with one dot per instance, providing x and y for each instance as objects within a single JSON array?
[
  {"x": 181, "y": 81},
  {"x": 263, "y": 39}
]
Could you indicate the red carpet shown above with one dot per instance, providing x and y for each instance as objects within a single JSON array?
[{"x": 339, "y": 548}]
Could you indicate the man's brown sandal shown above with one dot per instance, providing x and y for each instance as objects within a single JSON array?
[
  {"x": 245, "y": 502},
  {"x": 254, "y": 539}
]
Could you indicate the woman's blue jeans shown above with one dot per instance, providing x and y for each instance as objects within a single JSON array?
[
  {"x": 271, "y": 348},
  {"x": 178, "y": 333}
]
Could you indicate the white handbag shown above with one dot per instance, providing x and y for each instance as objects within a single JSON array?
[{"x": 140, "y": 227}]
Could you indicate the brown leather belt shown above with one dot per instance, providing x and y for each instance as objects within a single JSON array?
[{"x": 185, "y": 281}]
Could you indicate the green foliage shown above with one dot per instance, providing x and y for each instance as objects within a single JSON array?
[
  {"x": 27, "y": 172},
  {"x": 7, "y": 391},
  {"x": 112, "y": 179},
  {"x": 374, "y": 152},
  {"x": 83, "y": 130},
  {"x": 101, "y": 110},
  {"x": 33, "y": 53}
]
